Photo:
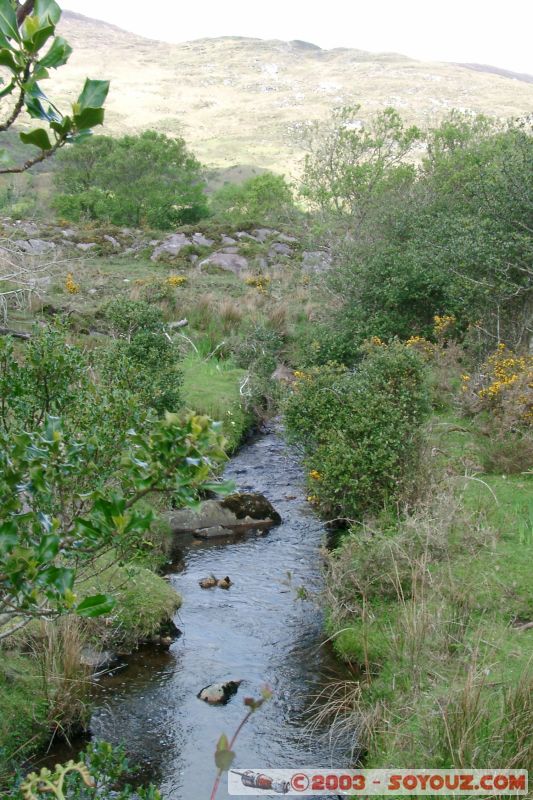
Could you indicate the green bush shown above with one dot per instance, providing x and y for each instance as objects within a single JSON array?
[
  {"x": 149, "y": 179},
  {"x": 360, "y": 429},
  {"x": 264, "y": 199}
]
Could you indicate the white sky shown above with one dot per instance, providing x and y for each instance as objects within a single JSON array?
[{"x": 483, "y": 31}]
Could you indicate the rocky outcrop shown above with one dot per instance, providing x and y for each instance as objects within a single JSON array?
[
  {"x": 170, "y": 246},
  {"x": 236, "y": 514},
  {"x": 316, "y": 261},
  {"x": 231, "y": 262}
]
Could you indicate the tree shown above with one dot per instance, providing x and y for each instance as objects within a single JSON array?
[
  {"x": 351, "y": 165},
  {"x": 25, "y": 32},
  {"x": 263, "y": 199},
  {"x": 149, "y": 179}
]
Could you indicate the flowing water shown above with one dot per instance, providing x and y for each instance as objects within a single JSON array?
[{"x": 260, "y": 631}]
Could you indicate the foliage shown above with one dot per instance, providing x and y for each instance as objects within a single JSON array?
[
  {"x": 100, "y": 772},
  {"x": 142, "y": 360},
  {"x": 353, "y": 165},
  {"x": 455, "y": 239},
  {"x": 50, "y": 526},
  {"x": 25, "y": 32},
  {"x": 360, "y": 429},
  {"x": 145, "y": 180},
  {"x": 264, "y": 199}
]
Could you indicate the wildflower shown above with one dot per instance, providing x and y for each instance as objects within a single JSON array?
[
  {"x": 176, "y": 280},
  {"x": 70, "y": 285},
  {"x": 315, "y": 475}
]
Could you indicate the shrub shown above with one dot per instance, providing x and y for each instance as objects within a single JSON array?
[
  {"x": 149, "y": 179},
  {"x": 264, "y": 199},
  {"x": 360, "y": 429}
]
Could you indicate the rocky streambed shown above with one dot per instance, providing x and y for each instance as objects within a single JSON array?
[{"x": 262, "y": 630}]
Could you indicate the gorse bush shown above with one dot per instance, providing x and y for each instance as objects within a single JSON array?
[{"x": 360, "y": 429}]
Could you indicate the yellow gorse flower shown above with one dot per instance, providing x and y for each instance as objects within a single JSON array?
[
  {"x": 70, "y": 285},
  {"x": 176, "y": 280}
]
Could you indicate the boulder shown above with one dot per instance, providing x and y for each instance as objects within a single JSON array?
[
  {"x": 201, "y": 240},
  {"x": 228, "y": 239},
  {"x": 251, "y": 505},
  {"x": 279, "y": 249},
  {"x": 315, "y": 261},
  {"x": 236, "y": 514},
  {"x": 86, "y": 246},
  {"x": 112, "y": 241},
  {"x": 170, "y": 246},
  {"x": 97, "y": 660},
  {"x": 262, "y": 234},
  {"x": 231, "y": 262},
  {"x": 35, "y": 247},
  {"x": 283, "y": 237}
]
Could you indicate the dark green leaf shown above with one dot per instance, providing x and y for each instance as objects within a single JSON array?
[
  {"x": 8, "y": 20},
  {"x": 48, "y": 547},
  {"x": 93, "y": 95},
  {"x": 57, "y": 55},
  {"x": 47, "y": 9},
  {"x": 95, "y": 606},
  {"x": 38, "y": 137},
  {"x": 89, "y": 118},
  {"x": 7, "y": 60}
]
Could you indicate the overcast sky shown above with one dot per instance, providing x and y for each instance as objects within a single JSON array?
[{"x": 483, "y": 31}]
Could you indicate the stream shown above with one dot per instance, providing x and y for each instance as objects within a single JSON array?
[{"x": 260, "y": 631}]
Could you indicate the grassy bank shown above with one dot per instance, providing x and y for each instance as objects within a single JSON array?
[
  {"x": 44, "y": 685},
  {"x": 435, "y": 608}
]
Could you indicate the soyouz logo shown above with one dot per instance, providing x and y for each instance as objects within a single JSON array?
[{"x": 397, "y": 782}]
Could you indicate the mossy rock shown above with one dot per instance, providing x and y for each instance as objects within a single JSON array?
[{"x": 253, "y": 505}]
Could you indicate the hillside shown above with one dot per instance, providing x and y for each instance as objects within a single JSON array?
[{"x": 244, "y": 101}]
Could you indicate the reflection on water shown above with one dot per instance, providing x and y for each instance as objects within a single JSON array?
[{"x": 258, "y": 631}]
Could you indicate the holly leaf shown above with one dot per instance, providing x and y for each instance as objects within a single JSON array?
[
  {"x": 93, "y": 95},
  {"x": 58, "y": 54},
  {"x": 95, "y": 606},
  {"x": 39, "y": 137},
  {"x": 8, "y": 20}
]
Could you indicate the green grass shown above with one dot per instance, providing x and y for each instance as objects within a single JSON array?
[
  {"x": 143, "y": 600},
  {"x": 213, "y": 388},
  {"x": 441, "y": 598},
  {"x": 23, "y": 712}
]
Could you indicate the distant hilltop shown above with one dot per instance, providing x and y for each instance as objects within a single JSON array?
[{"x": 246, "y": 101}]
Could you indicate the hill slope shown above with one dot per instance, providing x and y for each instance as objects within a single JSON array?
[{"x": 243, "y": 101}]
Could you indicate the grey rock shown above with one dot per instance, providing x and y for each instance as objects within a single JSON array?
[
  {"x": 251, "y": 505},
  {"x": 283, "y": 237},
  {"x": 228, "y": 239},
  {"x": 228, "y": 261},
  {"x": 219, "y": 693},
  {"x": 279, "y": 249},
  {"x": 230, "y": 249},
  {"x": 97, "y": 660},
  {"x": 315, "y": 261},
  {"x": 86, "y": 246},
  {"x": 262, "y": 234},
  {"x": 236, "y": 514},
  {"x": 244, "y": 235},
  {"x": 68, "y": 233},
  {"x": 113, "y": 241},
  {"x": 35, "y": 247},
  {"x": 170, "y": 246},
  {"x": 201, "y": 240}
]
